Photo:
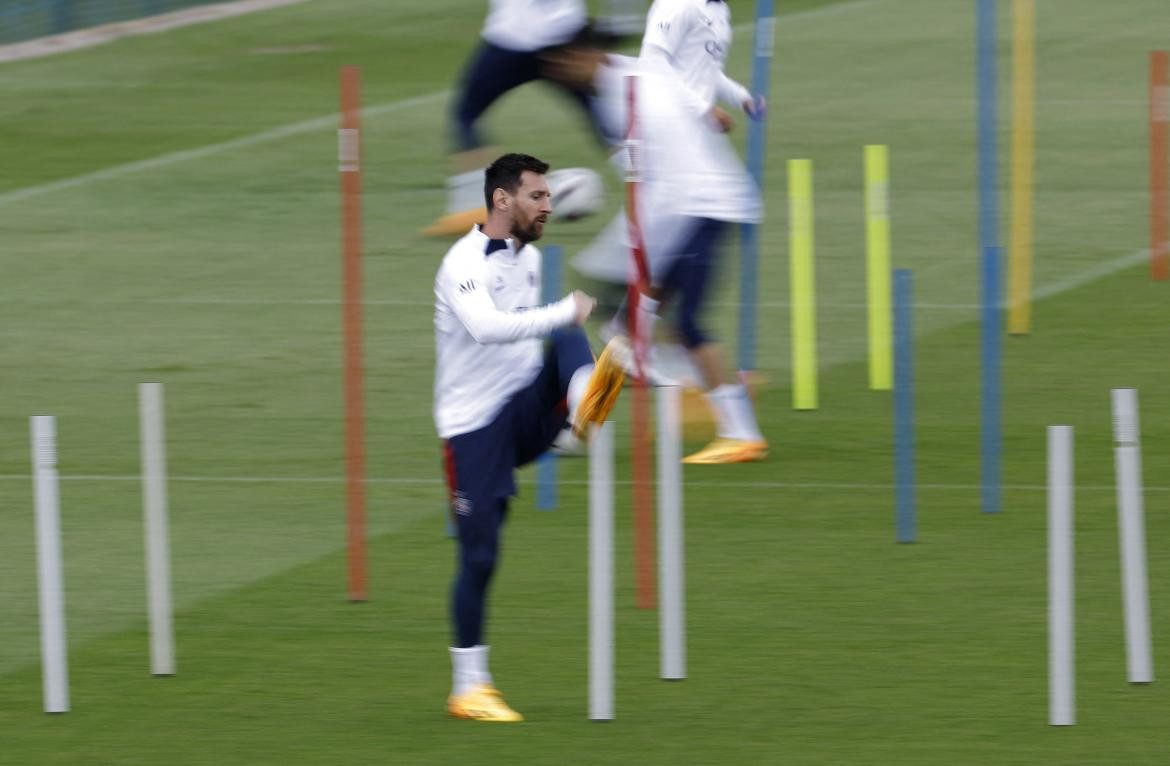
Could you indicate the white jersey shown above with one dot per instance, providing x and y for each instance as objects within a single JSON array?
[
  {"x": 488, "y": 329},
  {"x": 529, "y": 25},
  {"x": 692, "y": 39},
  {"x": 687, "y": 168}
]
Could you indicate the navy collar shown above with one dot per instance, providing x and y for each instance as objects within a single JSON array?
[{"x": 492, "y": 245}]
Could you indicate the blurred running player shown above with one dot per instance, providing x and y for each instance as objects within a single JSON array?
[
  {"x": 516, "y": 33},
  {"x": 693, "y": 186}
]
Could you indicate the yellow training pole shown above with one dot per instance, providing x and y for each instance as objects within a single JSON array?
[
  {"x": 1023, "y": 101},
  {"x": 877, "y": 265},
  {"x": 802, "y": 285}
]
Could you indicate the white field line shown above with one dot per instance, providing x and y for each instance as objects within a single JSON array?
[
  {"x": 326, "y": 122},
  {"x": 107, "y": 33},
  {"x": 284, "y": 131},
  {"x": 1103, "y": 269},
  {"x": 526, "y": 480}
]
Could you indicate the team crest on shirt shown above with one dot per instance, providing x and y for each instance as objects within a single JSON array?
[
  {"x": 499, "y": 285},
  {"x": 461, "y": 503},
  {"x": 532, "y": 279}
]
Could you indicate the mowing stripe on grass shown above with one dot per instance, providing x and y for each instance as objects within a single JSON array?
[
  {"x": 1058, "y": 287},
  {"x": 108, "y": 33},
  {"x": 326, "y": 122}
]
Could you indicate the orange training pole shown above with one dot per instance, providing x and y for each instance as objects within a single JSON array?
[
  {"x": 1160, "y": 164},
  {"x": 644, "y": 558},
  {"x": 350, "y": 168}
]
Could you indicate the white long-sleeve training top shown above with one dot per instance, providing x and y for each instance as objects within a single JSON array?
[
  {"x": 529, "y": 25},
  {"x": 691, "y": 39},
  {"x": 687, "y": 168},
  {"x": 488, "y": 329}
]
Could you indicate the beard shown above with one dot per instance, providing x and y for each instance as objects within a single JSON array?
[{"x": 528, "y": 232}]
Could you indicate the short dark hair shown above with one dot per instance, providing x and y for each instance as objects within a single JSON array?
[{"x": 505, "y": 174}]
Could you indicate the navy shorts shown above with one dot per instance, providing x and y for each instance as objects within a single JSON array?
[
  {"x": 491, "y": 72},
  {"x": 689, "y": 276},
  {"x": 480, "y": 466}
]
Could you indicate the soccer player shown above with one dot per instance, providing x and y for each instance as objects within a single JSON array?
[
  {"x": 687, "y": 40},
  {"x": 693, "y": 187},
  {"x": 499, "y": 399},
  {"x": 515, "y": 35},
  {"x": 690, "y": 39}
]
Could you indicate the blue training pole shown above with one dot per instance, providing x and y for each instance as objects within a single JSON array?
[
  {"x": 546, "y": 464},
  {"x": 749, "y": 233},
  {"x": 990, "y": 258},
  {"x": 906, "y": 519}
]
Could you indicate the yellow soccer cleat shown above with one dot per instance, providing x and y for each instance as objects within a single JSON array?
[
  {"x": 605, "y": 384},
  {"x": 729, "y": 451},
  {"x": 481, "y": 702},
  {"x": 456, "y": 224}
]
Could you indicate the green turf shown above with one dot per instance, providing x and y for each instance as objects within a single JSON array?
[{"x": 814, "y": 639}]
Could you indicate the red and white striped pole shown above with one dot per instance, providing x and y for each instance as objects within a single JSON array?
[
  {"x": 350, "y": 167},
  {"x": 640, "y": 406}
]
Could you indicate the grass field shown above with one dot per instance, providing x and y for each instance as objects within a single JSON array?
[{"x": 168, "y": 211}]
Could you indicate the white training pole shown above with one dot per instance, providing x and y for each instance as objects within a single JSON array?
[
  {"x": 1131, "y": 524},
  {"x": 154, "y": 506},
  {"x": 50, "y": 581},
  {"x": 1061, "y": 704},
  {"x": 671, "y": 603},
  {"x": 601, "y": 651}
]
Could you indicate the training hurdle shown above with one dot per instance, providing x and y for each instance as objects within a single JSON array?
[
  {"x": 1132, "y": 539},
  {"x": 50, "y": 577},
  {"x": 671, "y": 584}
]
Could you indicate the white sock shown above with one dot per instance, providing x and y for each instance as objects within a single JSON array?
[
  {"x": 469, "y": 667},
  {"x": 465, "y": 191},
  {"x": 734, "y": 416},
  {"x": 744, "y": 415},
  {"x": 577, "y": 385},
  {"x": 724, "y": 417}
]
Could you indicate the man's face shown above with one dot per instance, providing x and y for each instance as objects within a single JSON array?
[{"x": 531, "y": 207}]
